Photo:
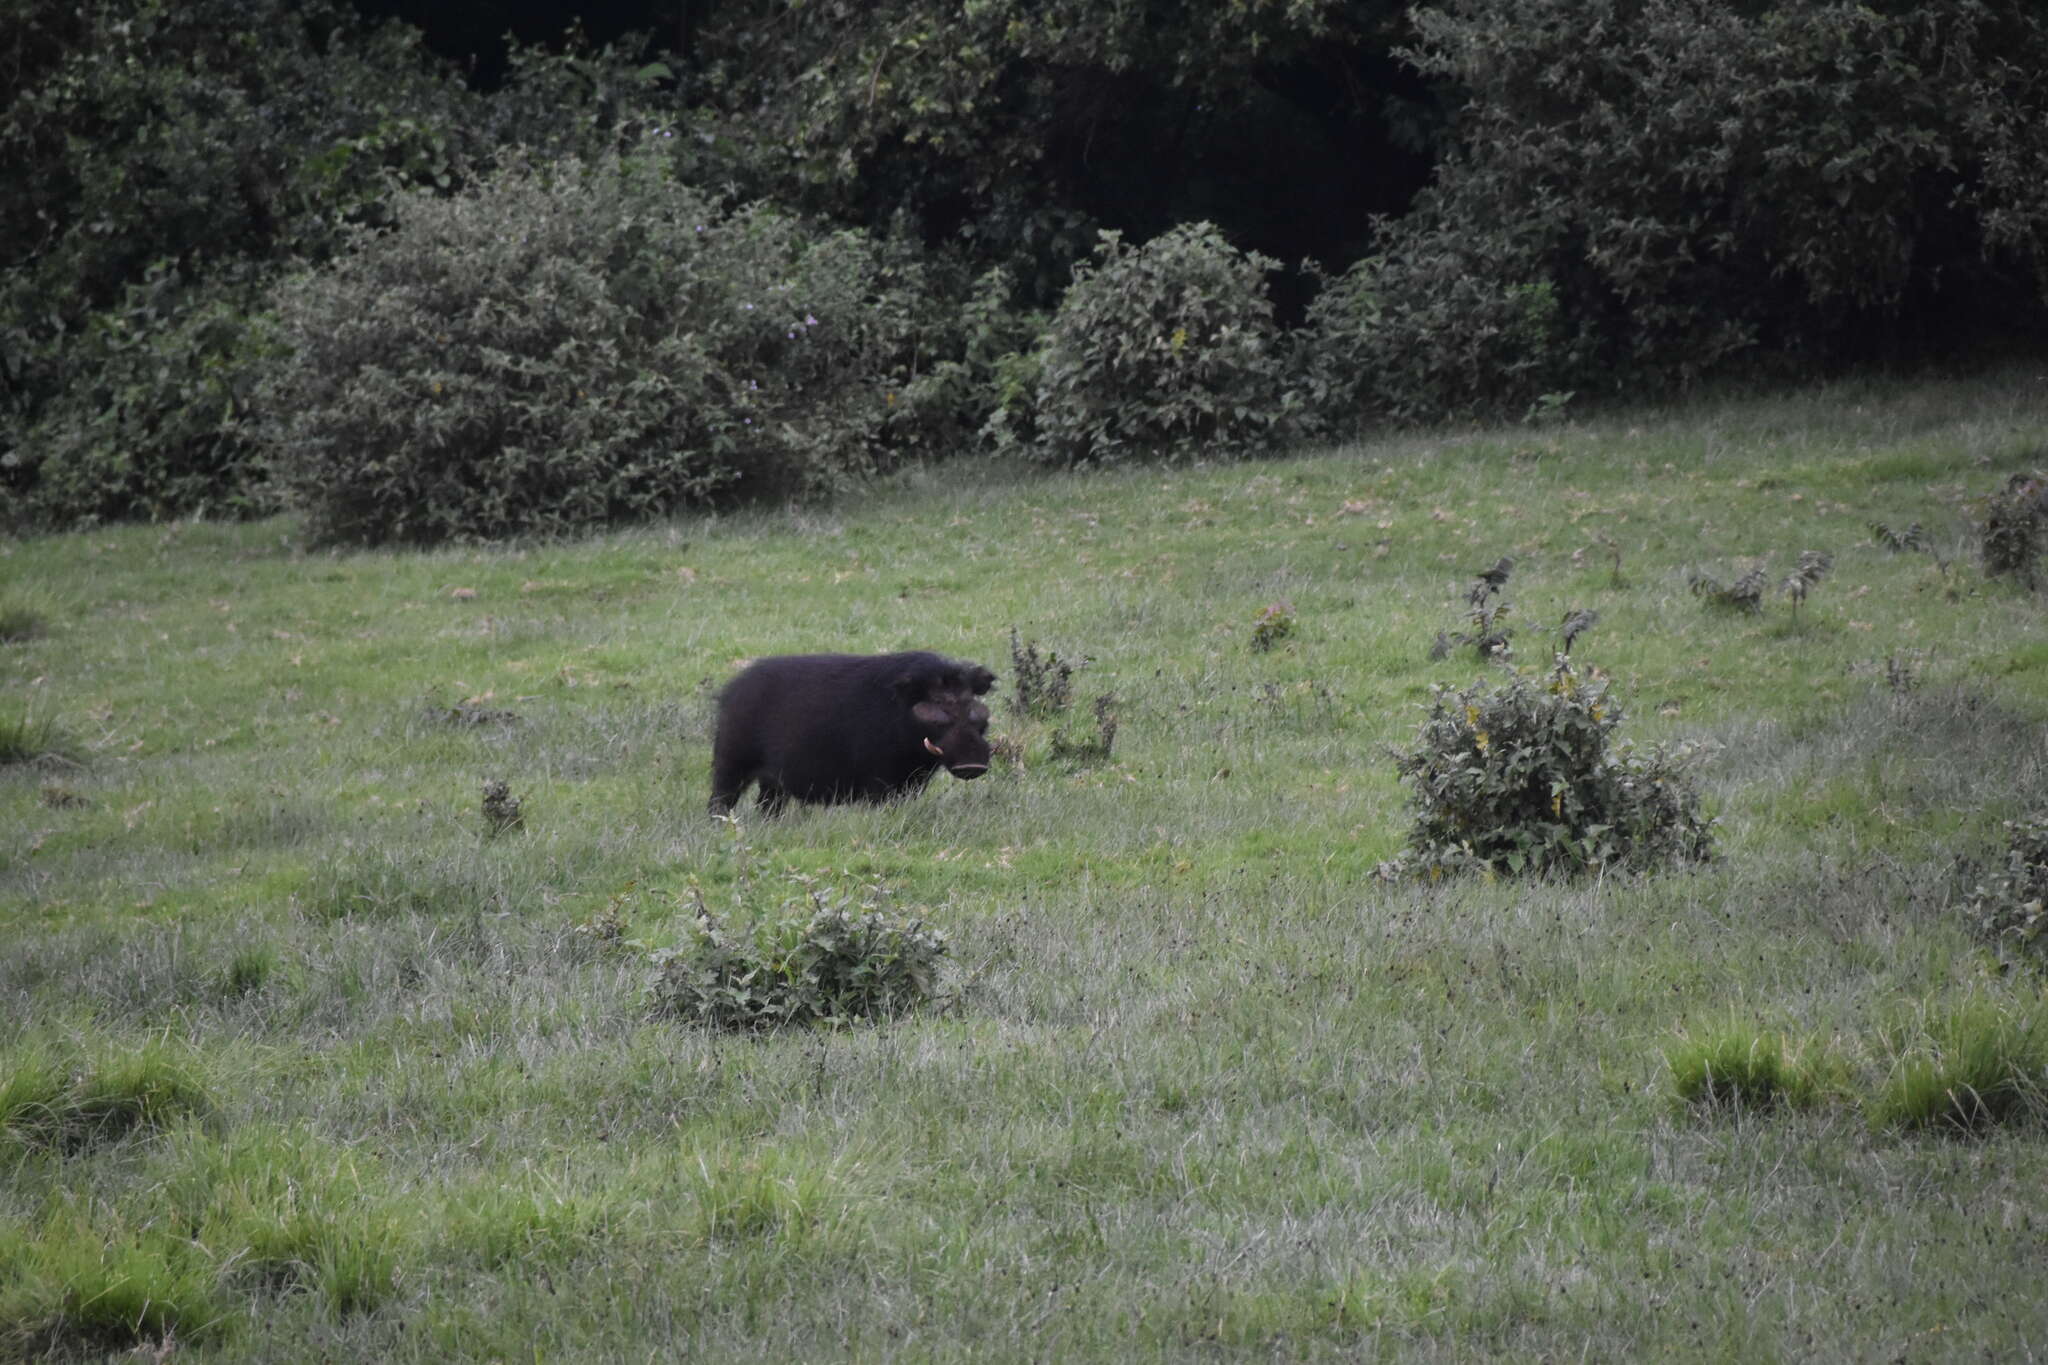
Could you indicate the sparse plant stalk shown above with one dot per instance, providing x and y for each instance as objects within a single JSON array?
[
  {"x": 1072, "y": 744},
  {"x": 1041, "y": 685}
]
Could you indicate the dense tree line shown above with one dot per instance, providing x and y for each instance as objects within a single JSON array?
[{"x": 292, "y": 252}]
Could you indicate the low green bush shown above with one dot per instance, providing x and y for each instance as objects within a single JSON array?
[
  {"x": 1521, "y": 778},
  {"x": 2009, "y": 905},
  {"x": 1165, "y": 351},
  {"x": 580, "y": 342},
  {"x": 2015, "y": 526},
  {"x": 1274, "y": 623},
  {"x": 152, "y": 421},
  {"x": 1426, "y": 331},
  {"x": 819, "y": 957}
]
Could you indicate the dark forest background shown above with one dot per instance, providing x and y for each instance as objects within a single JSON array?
[{"x": 470, "y": 270}]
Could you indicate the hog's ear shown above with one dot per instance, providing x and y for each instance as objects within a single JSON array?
[
  {"x": 932, "y": 714},
  {"x": 980, "y": 679}
]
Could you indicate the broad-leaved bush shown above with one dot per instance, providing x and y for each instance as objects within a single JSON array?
[
  {"x": 1647, "y": 191},
  {"x": 1523, "y": 778},
  {"x": 821, "y": 957},
  {"x": 1165, "y": 351},
  {"x": 574, "y": 343},
  {"x": 2009, "y": 904}
]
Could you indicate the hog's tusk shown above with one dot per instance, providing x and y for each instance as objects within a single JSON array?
[{"x": 934, "y": 749}]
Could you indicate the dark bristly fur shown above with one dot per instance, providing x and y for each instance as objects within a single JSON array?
[{"x": 847, "y": 727}]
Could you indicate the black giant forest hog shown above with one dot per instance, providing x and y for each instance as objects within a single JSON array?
[{"x": 847, "y": 727}]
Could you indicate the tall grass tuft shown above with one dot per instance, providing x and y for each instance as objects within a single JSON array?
[
  {"x": 763, "y": 1195},
  {"x": 1739, "y": 1066},
  {"x": 1966, "y": 1067},
  {"x": 70, "y": 1289},
  {"x": 52, "y": 1101},
  {"x": 28, "y": 739},
  {"x": 21, "y": 621},
  {"x": 284, "y": 1209}
]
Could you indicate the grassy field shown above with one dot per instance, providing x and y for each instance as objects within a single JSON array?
[{"x": 298, "y": 1062}]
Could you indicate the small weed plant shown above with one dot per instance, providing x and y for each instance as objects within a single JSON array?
[
  {"x": 1275, "y": 623},
  {"x": 1745, "y": 594},
  {"x": 1913, "y": 538},
  {"x": 821, "y": 956},
  {"x": 1611, "y": 548},
  {"x": 2010, "y": 905},
  {"x": 1488, "y": 633},
  {"x": 1080, "y": 744},
  {"x": 1042, "y": 684},
  {"x": 502, "y": 814},
  {"x": 1812, "y": 568},
  {"x": 2015, "y": 524},
  {"x": 1576, "y": 622},
  {"x": 1523, "y": 778}
]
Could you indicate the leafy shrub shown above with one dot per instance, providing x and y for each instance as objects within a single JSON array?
[
  {"x": 166, "y": 161},
  {"x": 1966, "y": 1067},
  {"x": 981, "y": 373},
  {"x": 1168, "y": 351},
  {"x": 1751, "y": 1068},
  {"x": 2010, "y": 905},
  {"x": 1644, "y": 192},
  {"x": 581, "y": 342},
  {"x": 1520, "y": 778},
  {"x": 150, "y": 423},
  {"x": 1425, "y": 330},
  {"x": 821, "y": 957},
  {"x": 2015, "y": 524}
]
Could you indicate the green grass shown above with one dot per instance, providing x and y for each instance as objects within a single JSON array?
[
  {"x": 21, "y": 620},
  {"x": 382, "y": 1086},
  {"x": 1741, "y": 1066},
  {"x": 1967, "y": 1066}
]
